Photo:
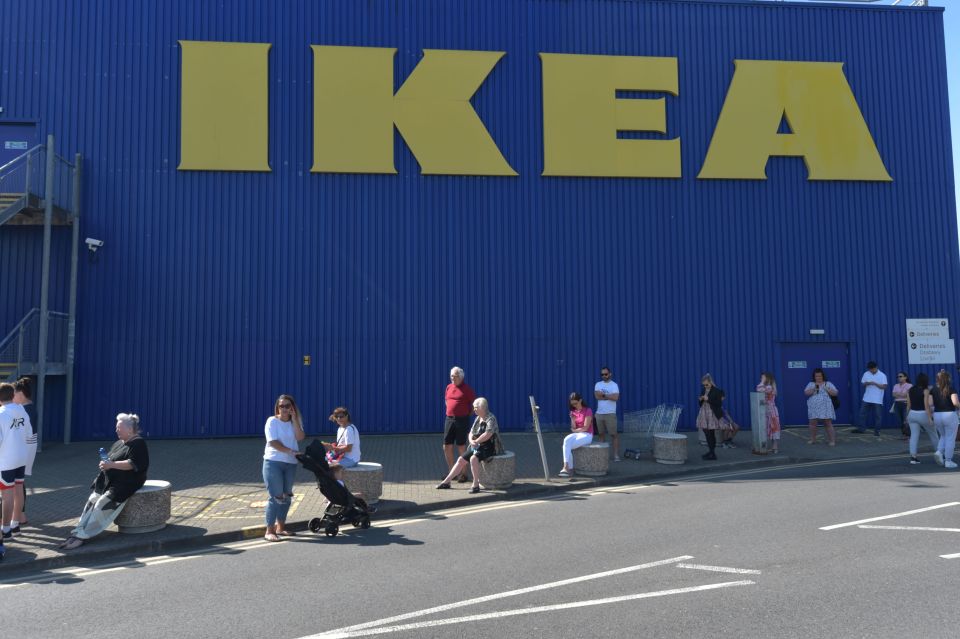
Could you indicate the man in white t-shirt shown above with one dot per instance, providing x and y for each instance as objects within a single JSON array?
[
  {"x": 14, "y": 429},
  {"x": 608, "y": 394},
  {"x": 874, "y": 382}
]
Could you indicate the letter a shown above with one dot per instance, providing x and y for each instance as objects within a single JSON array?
[{"x": 827, "y": 128}]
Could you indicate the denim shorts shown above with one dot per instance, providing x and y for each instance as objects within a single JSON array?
[{"x": 346, "y": 462}]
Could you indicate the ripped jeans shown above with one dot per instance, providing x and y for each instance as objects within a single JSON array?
[{"x": 278, "y": 477}]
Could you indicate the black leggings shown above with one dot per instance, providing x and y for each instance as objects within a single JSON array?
[{"x": 711, "y": 436}]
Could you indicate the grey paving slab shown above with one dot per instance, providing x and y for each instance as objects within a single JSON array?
[{"x": 219, "y": 495}]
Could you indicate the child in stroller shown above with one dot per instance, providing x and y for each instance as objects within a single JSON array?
[{"x": 343, "y": 508}]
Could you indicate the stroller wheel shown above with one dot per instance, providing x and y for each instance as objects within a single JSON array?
[
  {"x": 314, "y": 525},
  {"x": 332, "y": 530},
  {"x": 365, "y": 522}
]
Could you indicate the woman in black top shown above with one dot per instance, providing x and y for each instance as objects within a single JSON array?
[
  {"x": 945, "y": 403},
  {"x": 711, "y": 411},
  {"x": 918, "y": 417},
  {"x": 121, "y": 474}
]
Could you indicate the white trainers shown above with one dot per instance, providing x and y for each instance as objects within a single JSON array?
[
  {"x": 938, "y": 457},
  {"x": 949, "y": 464}
]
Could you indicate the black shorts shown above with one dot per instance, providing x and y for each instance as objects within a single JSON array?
[
  {"x": 455, "y": 430},
  {"x": 482, "y": 453},
  {"x": 11, "y": 477}
]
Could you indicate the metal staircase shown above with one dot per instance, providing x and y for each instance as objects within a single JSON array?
[
  {"x": 42, "y": 189},
  {"x": 24, "y": 178},
  {"x": 19, "y": 350}
]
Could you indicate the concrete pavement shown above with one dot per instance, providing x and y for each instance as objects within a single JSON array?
[{"x": 219, "y": 496}]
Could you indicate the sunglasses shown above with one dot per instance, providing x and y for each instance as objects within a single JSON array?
[
  {"x": 339, "y": 415},
  {"x": 286, "y": 406}
]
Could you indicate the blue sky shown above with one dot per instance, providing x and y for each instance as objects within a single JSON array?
[{"x": 951, "y": 29}]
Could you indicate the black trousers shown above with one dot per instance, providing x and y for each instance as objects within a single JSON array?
[{"x": 711, "y": 436}]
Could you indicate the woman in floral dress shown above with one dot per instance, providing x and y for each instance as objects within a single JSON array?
[
  {"x": 768, "y": 386},
  {"x": 711, "y": 410},
  {"x": 819, "y": 394}
]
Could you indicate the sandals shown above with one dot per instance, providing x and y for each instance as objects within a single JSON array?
[
  {"x": 271, "y": 536},
  {"x": 442, "y": 485},
  {"x": 564, "y": 473},
  {"x": 71, "y": 543},
  {"x": 286, "y": 533},
  {"x": 474, "y": 490}
]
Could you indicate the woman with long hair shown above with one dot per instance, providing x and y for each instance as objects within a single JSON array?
[
  {"x": 768, "y": 386},
  {"x": 581, "y": 431},
  {"x": 711, "y": 412},
  {"x": 943, "y": 399},
  {"x": 920, "y": 416},
  {"x": 283, "y": 431}
]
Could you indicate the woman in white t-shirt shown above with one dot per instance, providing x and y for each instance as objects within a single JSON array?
[
  {"x": 283, "y": 432},
  {"x": 345, "y": 452}
]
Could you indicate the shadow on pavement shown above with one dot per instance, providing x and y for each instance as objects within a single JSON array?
[{"x": 372, "y": 536}]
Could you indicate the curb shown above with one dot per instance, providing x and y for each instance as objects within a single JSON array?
[{"x": 518, "y": 492}]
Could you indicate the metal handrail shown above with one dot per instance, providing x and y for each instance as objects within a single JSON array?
[
  {"x": 5, "y": 342},
  {"x": 39, "y": 147},
  {"x": 13, "y": 345},
  {"x": 26, "y": 175}
]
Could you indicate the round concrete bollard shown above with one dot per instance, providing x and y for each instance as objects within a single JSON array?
[
  {"x": 147, "y": 510},
  {"x": 365, "y": 478},
  {"x": 670, "y": 448},
  {"x": 499, "y": 471},
  {"x": 592, "y": 460}
]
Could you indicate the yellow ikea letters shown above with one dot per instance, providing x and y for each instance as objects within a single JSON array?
[
  {"x": 224, "y": 118},
  {"x": 827, "y": 128},
  {"x": 355, "y": 110},
  {"x": 223, "y": 108},
  {"x": 581, "y": 116}
]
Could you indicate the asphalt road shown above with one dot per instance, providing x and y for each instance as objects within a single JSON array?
[{"x": 741, "y": 554}]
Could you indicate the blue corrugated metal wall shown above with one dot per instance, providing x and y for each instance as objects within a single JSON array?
[{"x": 212, "y": 286}]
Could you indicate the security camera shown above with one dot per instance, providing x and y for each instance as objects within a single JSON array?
[{"x": 93, "y": 244}]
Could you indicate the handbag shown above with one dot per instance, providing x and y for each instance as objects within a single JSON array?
[
  {"x": 835, "y": 400},
  {"x": 497, "y": 445}
]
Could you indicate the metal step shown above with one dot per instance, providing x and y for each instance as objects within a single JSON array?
[{"x": 7, "y": 370}]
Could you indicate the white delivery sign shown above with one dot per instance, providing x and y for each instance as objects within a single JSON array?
[
  {"x": 936, "y": 328},
  {"x": 928, "y": 341}
]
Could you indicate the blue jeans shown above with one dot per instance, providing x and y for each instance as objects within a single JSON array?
[
  {"x": 867, "y": 409},
  {"x": 278, "y": 477}
]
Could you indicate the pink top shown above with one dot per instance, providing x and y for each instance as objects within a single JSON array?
[
  {"x": 580, "y": 416},
  {"x": 900, "y": 391}
]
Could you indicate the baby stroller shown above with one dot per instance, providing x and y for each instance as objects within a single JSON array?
[{"x": 343, "y": 508}]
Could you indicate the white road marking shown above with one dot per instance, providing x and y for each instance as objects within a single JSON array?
[
  {"x": 62, "y": 573},
  {"x": 510, "y": 593},
  {"x": 339, "y": 634},
  {"x": 910, "y": 528},
  {"x": 53, "y": 575},
  {"x": 893, "y": 516},
  {"x": 953, "y": 556},
  {"x": 736, "y": 571}
]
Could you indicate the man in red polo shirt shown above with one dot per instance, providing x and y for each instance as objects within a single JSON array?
[{"x": 459, "y": 399}]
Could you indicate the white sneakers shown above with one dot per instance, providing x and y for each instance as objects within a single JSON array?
[
  {"x": 949, "y": 464},
  {"x": 938, "y": 457}
]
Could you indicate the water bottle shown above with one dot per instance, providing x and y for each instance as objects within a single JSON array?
[{"x": 103, "y": 454}]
